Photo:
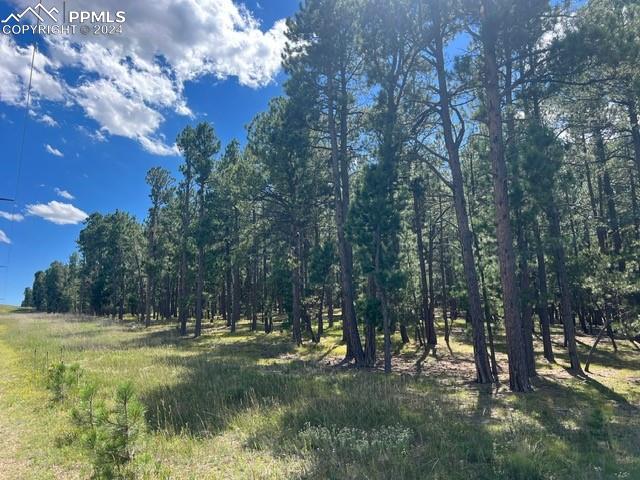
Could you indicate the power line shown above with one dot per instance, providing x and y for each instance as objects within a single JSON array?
[{"x": 21, "y": 149}]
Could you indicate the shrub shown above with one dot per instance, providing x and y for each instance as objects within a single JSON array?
[
  {"x": 118, "y": 431},
  {"x": 111, "y": 435},
  {"x": 61, "y": 379},
  {"x": 83, "y": 415}
]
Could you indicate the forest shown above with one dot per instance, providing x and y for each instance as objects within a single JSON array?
[
  {"x": 429, "y": 161},
  {"x": 422, "y": 261}
]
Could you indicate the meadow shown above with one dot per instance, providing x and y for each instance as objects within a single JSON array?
[{"x": 252, "y": 405}]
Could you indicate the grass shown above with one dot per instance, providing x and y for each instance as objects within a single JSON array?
[
  {"x": 13, "y": 309},
  {"x": 251, "y": 405}
]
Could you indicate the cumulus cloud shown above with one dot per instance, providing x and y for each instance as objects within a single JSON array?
[
  {"x": 14, "y": 74},
  {"x": 118, "y": 114},
  {"x": 53, "y": 151},
  {"x": 12, "y": 217},
  {"x": 63, "y": 193},
  {"x": 4, "y": 238},
  {"x": 128, "y": 83},
  {"x": 57, "y": 212}
]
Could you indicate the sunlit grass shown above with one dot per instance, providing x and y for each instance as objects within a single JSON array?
[
  {"x": 13, "y": 309},
  {"x": 252, "y": 405}
]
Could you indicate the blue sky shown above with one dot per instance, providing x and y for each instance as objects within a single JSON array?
[{"x": 92, "y": 135}]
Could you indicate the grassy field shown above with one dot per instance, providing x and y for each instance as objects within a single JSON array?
[{"x": 250, "y": 405}]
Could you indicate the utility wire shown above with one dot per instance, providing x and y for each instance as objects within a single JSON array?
[{"x": 21, "y": 154}]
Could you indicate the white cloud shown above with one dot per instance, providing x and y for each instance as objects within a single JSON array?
[
  {"x": 128, "y": 83},
  {"x": 158, "y": 147},
  {"x": 63, "y": 193},
  {"x": 97, "y": 136},
  {"x": 117, "y": 114},
  {"x": 43, "y": 118},
  {"x": 12, "y": 217},
  {"x": 53, "y": 150},
  {"x": 57, "y": 212},
  {"x": 14, "y": 74},
  {"x": 4, "y": 238},
  {"x": 48, "y": 120}
]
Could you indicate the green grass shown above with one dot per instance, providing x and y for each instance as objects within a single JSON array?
[{"x": 250, "y": 405}]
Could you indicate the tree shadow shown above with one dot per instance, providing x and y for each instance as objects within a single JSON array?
[
  {"x": 214, "y": 392},
  {"x": 332, "y": 424},
  {"x": 605, "y": 391},
  {"x": 258, "y": 385}
]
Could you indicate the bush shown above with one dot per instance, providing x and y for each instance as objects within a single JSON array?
[
  {"x": 111, "y": 435},
  {"x": 83, "y": 415},
  {"x": 61, "y": 379}
]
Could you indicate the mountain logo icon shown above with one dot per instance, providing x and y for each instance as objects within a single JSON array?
[{"x": 40, "y": 12}]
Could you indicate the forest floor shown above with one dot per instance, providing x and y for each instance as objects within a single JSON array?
[{"x": 251, "y": 405}]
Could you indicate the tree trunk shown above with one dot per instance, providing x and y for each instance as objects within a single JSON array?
[
  {"x": 253, "y": 270},
  {"x": 635, "y": 132},
  {"x": 199, "y": 288},
  {"x": 320, "y": 308},
  {"x": 147, "y": 305},
  {"x": 443, "y": 277},
  {"x": 595, "y": 344},
  {"x": 563, "y": 283},
  {"x": 121, "y": 303},
  {"x": 382, "y": 297},
  {"x": 183, "y": 287},
  {"x": 429, "y": 333},
  {"x": 296, "y": 309},
  {"x": 340, "y": 174},
  {"x": 511, "y": 159},
  {"x": 587, "y": 171},
  {"x": 485, "y": 296},
  {"x": 223, "y": 297},
  {"x": 612, "y": 214},
  {"x": 483, "y": 373},
  {"x": 200, "y": 262},
  {"x": 228, "y": 282},
  {"x": 634, "y": 205},
  {"x": 543, "y": 295},
  {"x": 235, "y": 297},
  {"x": 370, "y": 327},
  {"x": 150, "y": 279},
  {"x": 525, "y": 300},
  {"x": 518, "y": 373}
]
